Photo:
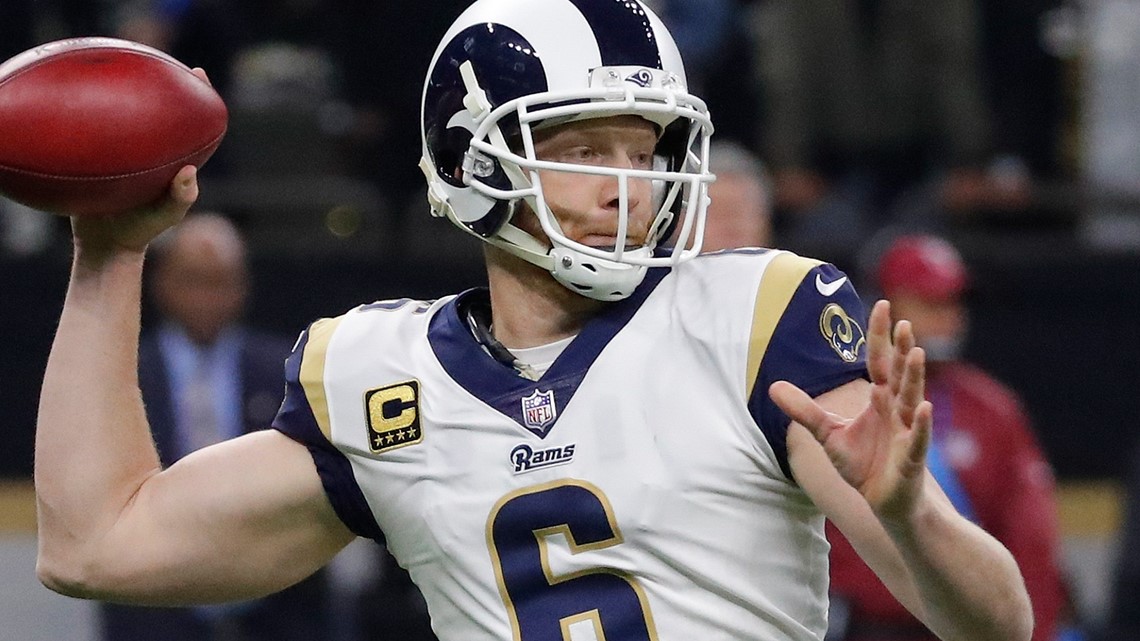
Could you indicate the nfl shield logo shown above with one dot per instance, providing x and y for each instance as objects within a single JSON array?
[{"x": 538, "y": 410}]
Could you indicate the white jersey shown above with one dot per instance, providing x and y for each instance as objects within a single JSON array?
[{"x": 639, "y": 490}]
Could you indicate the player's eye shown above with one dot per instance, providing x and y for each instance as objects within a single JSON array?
[
  {"x": 642, "y": 160},
  {"x": 579, "y": 154}
]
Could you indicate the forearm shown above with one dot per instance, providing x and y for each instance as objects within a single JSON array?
[
  {"x": 93, "y": 444},
  {"x": 968, "y": 583},
  {"x": 959, "y": 580}
]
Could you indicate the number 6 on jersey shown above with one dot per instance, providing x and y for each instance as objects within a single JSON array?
[{"x": 597, "y": 604}]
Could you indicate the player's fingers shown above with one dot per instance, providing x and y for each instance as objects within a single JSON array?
[
  {"x": 180, "y": 197},
  {"x": 879, "y": 350},
  {"x": 184, "y": 187},
  {"x": 903, "y": 336},
  {"x": 922, "y": 430},
  {"x": 803, "y": 409},
  {"x": 903, "y": 342},
  {"x": 912, "y": 391},
  {"x": 201, "y": 73},
  {"x": 882, "y": 401}
]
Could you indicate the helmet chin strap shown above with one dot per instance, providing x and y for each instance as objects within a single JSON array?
[
  {"x": 519, "y": 243},
  {"x": 597, "y": 278}
]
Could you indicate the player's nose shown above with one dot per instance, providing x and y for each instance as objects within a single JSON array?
[{"x": 635, "y": 191}]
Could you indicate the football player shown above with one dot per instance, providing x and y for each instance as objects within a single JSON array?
[{"x": 617, "y": 440}]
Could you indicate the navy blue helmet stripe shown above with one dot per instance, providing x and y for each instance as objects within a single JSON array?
[{"x": 624, "y": 33}]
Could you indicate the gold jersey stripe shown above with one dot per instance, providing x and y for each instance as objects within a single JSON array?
[
  {"x": 780, "y": 280},
  {"x": 313, "y": 370}
]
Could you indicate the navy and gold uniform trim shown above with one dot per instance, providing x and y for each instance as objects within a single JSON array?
[
  {"x": 498, "y": 385},
  {"x": 805, "y": 334},
  {"x": 304, "y": 418}
]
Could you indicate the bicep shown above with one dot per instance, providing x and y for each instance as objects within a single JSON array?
[{"x": 240, "y": 519}]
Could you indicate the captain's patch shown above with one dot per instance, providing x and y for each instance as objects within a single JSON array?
[
  {"x": 393, "y": 416},
  {"x": 842, "y": 332}
]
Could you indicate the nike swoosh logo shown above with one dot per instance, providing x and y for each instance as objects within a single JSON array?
[{"x": 827, "y": 289}]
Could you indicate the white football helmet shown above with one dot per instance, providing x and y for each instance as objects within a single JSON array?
[{"x": 507, "y": 66}]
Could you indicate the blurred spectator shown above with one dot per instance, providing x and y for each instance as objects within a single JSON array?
[
  {"x": 874, "y": 112},
  {"x": 1123, "y": 621},
  {"x": 983, "y": 453},
  {"x": 205, "y": 378},
  {"x": 739, "y": 214}
]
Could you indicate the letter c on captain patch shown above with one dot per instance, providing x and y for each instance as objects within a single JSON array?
[
  {"x": 393, "y": 416},
  {"x": 842, "y": 332}
]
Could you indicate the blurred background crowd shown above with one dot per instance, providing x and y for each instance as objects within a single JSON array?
[{"x": 1009, "y": 128}]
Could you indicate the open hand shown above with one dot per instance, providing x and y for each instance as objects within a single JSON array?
[{"x": 881, "y": 451}]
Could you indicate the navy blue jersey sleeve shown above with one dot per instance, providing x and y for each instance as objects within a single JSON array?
[
  {"x": 304, "y": 418},
  {"x": 816, "y": 341}
]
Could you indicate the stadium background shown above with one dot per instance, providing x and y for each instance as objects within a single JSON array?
[{"x": 319, "y": 171}]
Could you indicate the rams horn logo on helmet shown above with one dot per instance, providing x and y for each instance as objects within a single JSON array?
[
  {"x": 842, "y": 332},
  {"x": 643, "y": 78}
]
